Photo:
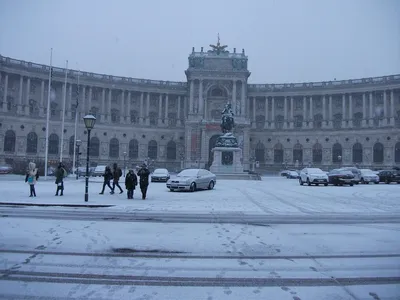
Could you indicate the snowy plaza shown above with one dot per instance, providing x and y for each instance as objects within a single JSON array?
[{"x": 233, "y": 242}]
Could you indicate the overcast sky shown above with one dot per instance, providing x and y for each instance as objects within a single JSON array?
[{"x": 286, "y": 41}]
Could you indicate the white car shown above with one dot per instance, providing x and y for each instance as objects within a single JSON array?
[
  {"x": 313, "y": 176},
  {"x": 191, "y": 180},
  {"x": 368, "y": 176}
]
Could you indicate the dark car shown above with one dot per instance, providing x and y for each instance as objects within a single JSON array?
[
  {"x": 160, "y": 175},
  {"x": 341, "y": 177},
  {"x": 388, "y": 176}
]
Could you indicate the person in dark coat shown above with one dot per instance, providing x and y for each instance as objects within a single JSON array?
[
  {"x": 130, "y": 183},
  {"x": 31, "y": 178},
  {"x": 117, "y": 173},
  {"x": 144, "y": 174},
  {"x": 60, "y": 174},
  {"x": 107, "y": 178}
]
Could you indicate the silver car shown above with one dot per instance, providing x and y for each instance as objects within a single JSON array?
[
  {"x": 192, "y": 180},
  {"x": 368, "y": 176}
]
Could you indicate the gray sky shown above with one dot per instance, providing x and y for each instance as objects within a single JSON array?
[{"x": 286, "y": 41}]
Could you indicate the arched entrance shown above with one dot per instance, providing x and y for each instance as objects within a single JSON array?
[{"x": 211, "y": 145}]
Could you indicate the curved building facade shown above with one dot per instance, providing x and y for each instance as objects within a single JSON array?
[{"x": 175, "y": 124}]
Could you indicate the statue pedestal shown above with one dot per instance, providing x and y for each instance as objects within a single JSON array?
[{"x": 227, "y": 161}]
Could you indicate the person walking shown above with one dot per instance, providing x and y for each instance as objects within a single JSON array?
[
  {"x": 130, "y": 183},
  {"x": 144, "y": 174},
  {"x": 31, "y": 178},
  {"x": 117, "y": 173},
  {"x": 107, "y": 178},
  {"x": 60, "y": 174}
]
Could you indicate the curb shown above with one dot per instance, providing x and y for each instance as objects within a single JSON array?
[{"x": 62, "y": 205}]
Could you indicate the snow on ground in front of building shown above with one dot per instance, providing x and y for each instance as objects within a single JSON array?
[{"x": 272, "y": 195}]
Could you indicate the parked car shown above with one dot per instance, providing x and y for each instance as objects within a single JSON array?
[
  {"x": 192, "y": 180},
  {"x": 367, "y": 176},
  {"x": 388, "y": 176},
  {"x": 313, "y": 176},
  {"x": 341, "y": 177},
  {"x": 99, "y": 171},
  {"x": 160, "y": 175},
  {"x": 356, "y": 172},
  {"x": 5, "y": 169},
  {"x": 292, "y": 175}
]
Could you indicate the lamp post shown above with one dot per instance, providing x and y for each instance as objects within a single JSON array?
[
  {"x": 89, "y": 120},
  {"x": 78, "y": 143},
  {"x": 124, "y": 162}
]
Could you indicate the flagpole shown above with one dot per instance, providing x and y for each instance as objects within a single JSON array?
[
  {"x": 48, "y": 115},
  {"x": 63, "y": 111},
  {"x": 76, "y": 125}
]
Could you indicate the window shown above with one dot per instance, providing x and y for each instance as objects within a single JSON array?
[
  {"x": 31, "y": 143},
  {"x": 278, "y": 153},
  {"x": 357, "y": 118},
  {"x": 378, "y": 156},
  {"x": 279, "y": 122},
  {"x": 260, "y": 152},
  {"x": 337, "y": 121},
  {"x": 298, "y": 121},
  {"x": 94, "y": 146},
  {"x": 53, "y": 144},
  {"x": 298, "y": 153},
  {"x": 171, "y": 150},
  {"x": 9, "y": 141},
  {"x": 317, "y": 153},
  {"x": 172, "y": 119},
  {"x": 134, "y": 117},
  {"x": 153, "y": 118},
  {"x": 152, "y": 149},
  {"x": 114, "y": 148},
  {"x": 337, "y": 153},
  {"x": 133, "y": 149},
  {"x": 260, "y": 121},
  {"x": 217, "y": 92},
  {"x": 115, "y": 115},
  {"x": 357, "y": 153},
  {"x": 318, "y": 121}
]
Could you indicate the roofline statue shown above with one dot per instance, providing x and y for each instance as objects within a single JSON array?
[{"x": 218, "y": 49}]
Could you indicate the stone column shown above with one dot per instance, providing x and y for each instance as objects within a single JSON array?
[
  {"x": 5, "y": 93},
  {"x": 273, "y": 113},
  {"x": 371, "y": 113},
  {"x": 344, "y": 118},
  {"x": 20, "y": 92},
  {"x": 41, "y": 106},
  {"x": 141, "y": 109},
  {"x": 184, "y": 108},
  {"x": 243, "y": 105},
  {"x": 304, "y": 112},
  {"x": 166, "y": 110},
  {"x": 103, "y": 105},
  {"x": 159, "y": 121},
  {"x": 63, "y": 99},
  {"x": 330, "y": 112},
  {"x": 392, "y": 108},
  {"x": 90, "y": 100},
  {"x": 291, "y": 112},
  {"x": 201, "y": 103},
  {"x": 128, "y": 108},
  {"x": 69, "y": 100},
  {"x": 148, "y": 109},
  {"x": 234, "y": 96},
  {"x": 191, "y": 97},
  {"x": 311, "y": 115},
  {"x": 266, "y": 113},
  {"x": 350, "y": 117},
  {"x": 109, "y": 106},
  {"x": 364, "y": 120},
  {"x": 28, "y": 92},
  {"x": 205, "y": 109},
  {"x": 123, "y": 111},
  {"x": 179, "y": 111},
  {"x": 323, "y": 111},
  {"x": 385, "y": 116},
  {"x": 285, "y": 115},
  {"x": 254, "y": 112}
]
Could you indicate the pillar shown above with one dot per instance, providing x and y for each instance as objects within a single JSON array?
[
  {"x": 103, "y": 104},
  {"x": 330, "y": 112},
  {"x": 273, "y": 113},
  {"x": 28, "y": 92},
  {"x": 285, "y": 115},
  {"x": 41, "y": 106},
  {"x": 344, "y": 117},
  {"x": 109, "y": 106},
  {"x": 179, "y": 111},
  {"x": 69, "y": 99},
  {"x": 234, "y": 96},
  {"x": 141, "y": 108},
  {"x": 254, "y": 112},
  {"x": 311, "y": 114},
  {"x": 364, "y": 120},
  {"x": 392, "y": 115},
  {"x": 20, "y": 92},
  {"x": 128, "y": 108},
  {"x": 304, "y": 112},
  {"x": 371, "y": 112},
  {"x": 350, "y": 116},
  {"x": 191, "y": 97},
  {"x": 166, "y": 110},
  {"x": 266, "y": 113},
  {"x": 242, "y": 100},
  {"x": 323, "y": 111},
  {"x": 90, "y": 100},
  {"x": 5, "y": 93},
  {"x": 148, "y": 109},
  {"x": 84, "y": 104},
  {"x": 201, "y": 103},
  {"x": 159, "y": 121}
]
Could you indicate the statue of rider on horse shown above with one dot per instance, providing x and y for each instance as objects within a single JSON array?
[{"x": 227, "y": 122}]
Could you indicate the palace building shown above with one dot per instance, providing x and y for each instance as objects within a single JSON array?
[{"x": 175, "y": 124}]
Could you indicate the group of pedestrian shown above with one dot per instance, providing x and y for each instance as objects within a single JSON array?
[{"x": 131, "y": 180}]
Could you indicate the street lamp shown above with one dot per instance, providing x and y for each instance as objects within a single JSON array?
[
  {"x": 89, "y": 120},
  {"x": 124, "y": 162},
  {"x": 78, "y": 143}
]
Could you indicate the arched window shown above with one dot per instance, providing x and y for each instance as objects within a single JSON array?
[
  {"x": 337, "y": 153},
  {"x": 133, "y": 149},
  {"x": 397, "y": 153},
  {"x": 279, "y": 119},
  {"x": 113, "y": 148},
  {"x": 337, "y": 121},
  {"x": 71, "y": 145},
  {"x": 378, "y": 153},
  {"x": 152, "y": 149},
  {"x": 217, "y": 92},
  {"x": 171, "y": 150},
  {"x": 298, "y": 121},
  {"x": 94, "y": 147},
  {"x": 278, "y": 153},
  {"x": 53, "y": 144},
  {"x": 317, "y": 153},
  {"x": 260, "y": 152},
  {"x": 31, "y": 143},
  {"x": 357, "y": 153},
  {"x": 318, "y": 121},
  {"x": 298, "y": 153},
  {"x": 357, "y": 119},
  {"x": 9, "y": 141}
]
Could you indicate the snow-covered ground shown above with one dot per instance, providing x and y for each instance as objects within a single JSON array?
[{"x": 272, "y": 195}]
